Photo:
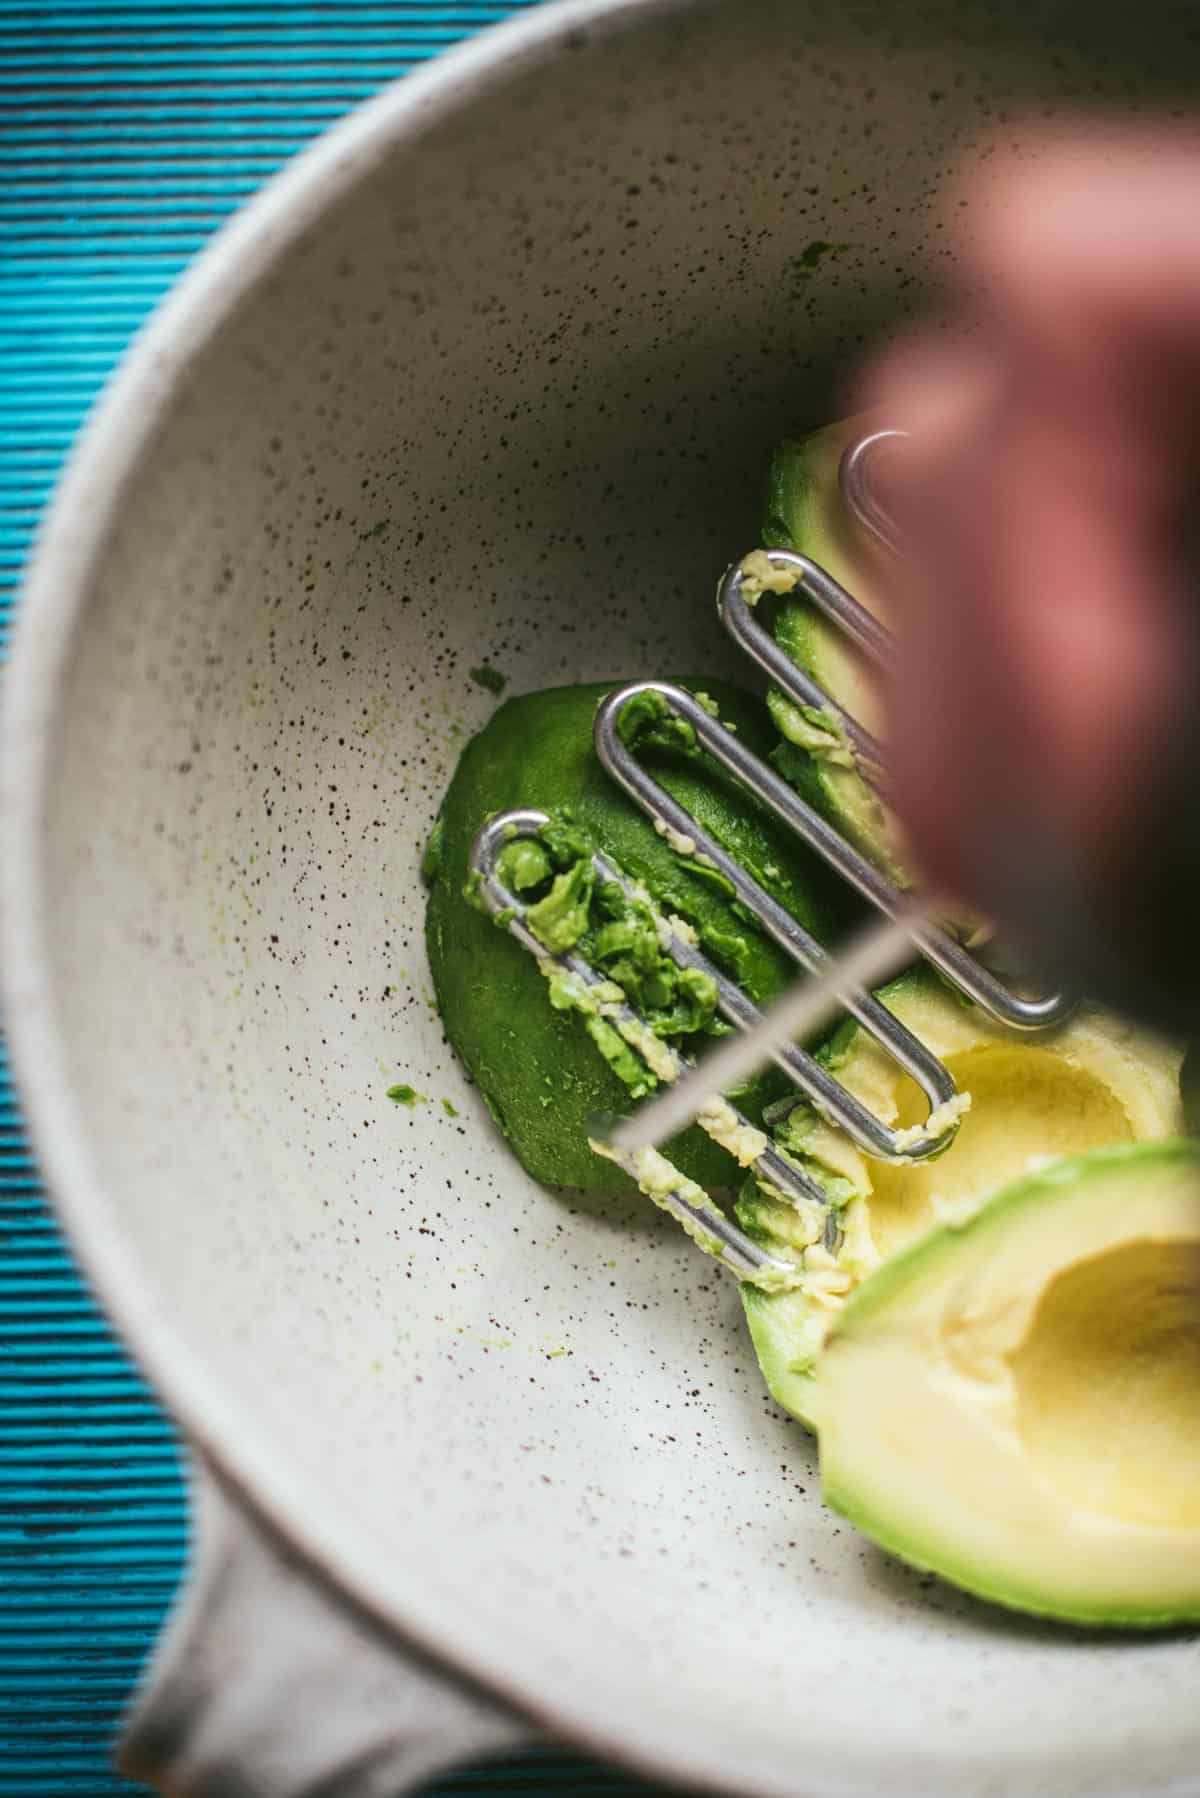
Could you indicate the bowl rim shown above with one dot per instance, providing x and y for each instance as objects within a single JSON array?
[{"x": 52, "y": 597}]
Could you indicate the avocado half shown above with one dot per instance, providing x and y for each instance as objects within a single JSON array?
[
  {"x": 1097, "y": 1081},
  {"x": 537, "y": 1067},
  {"x": 805, "y": 512},
  {"x": 1013, "y": 1402}
]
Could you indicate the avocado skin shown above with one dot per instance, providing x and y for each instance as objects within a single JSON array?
[
  {"x": 803, "y": 510},
  {"x": 540, "y": 1075}
]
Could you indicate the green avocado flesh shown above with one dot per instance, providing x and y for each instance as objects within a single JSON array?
[
  {"x": 1096, "y": 1081},
  {"x": 805, "y": 512},
  {"x": 537, "y": 1063},
  {"x": 1014, "y": 1403}
]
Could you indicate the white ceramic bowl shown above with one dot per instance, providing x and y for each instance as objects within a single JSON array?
[{"x": 492, "y": 373}]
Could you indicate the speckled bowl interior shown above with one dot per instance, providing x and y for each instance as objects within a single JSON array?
[{"x": 504, "y": 392}]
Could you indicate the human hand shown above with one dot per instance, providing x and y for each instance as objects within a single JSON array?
[{"x": 1042, "y": 722}]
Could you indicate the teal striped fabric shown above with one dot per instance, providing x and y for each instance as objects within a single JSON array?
[{"x": 126, "y": 135}]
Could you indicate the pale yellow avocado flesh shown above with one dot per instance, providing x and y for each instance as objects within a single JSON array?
[
  {"x": 1014, "y": 1403},
  {"x": 1096, "y": 1082}
]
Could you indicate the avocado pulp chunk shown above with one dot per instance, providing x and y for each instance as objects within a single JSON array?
[
  {"x": 1014, "y": 1402},
  {"x": 544, "y": 1068},
  {"x": 1096, "y": 1081}
]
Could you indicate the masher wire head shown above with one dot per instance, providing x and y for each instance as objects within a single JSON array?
[{"x": 809, "y": 1077}]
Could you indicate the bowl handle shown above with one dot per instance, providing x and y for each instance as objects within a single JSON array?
[{"x": 263, "y": 1686}]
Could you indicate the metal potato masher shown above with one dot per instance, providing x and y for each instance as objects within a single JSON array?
[{"x": 902, "y": 923}]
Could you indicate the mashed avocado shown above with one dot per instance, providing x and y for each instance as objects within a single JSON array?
[{"x": 536, "y": 1063}]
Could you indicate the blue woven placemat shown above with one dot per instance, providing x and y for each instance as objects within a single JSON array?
[{"x": 126, "y": 136}]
